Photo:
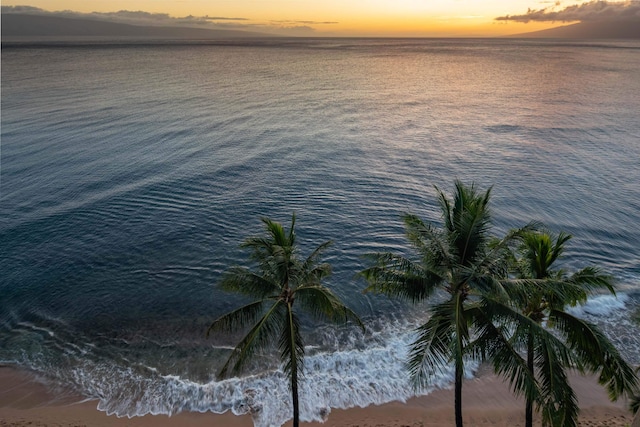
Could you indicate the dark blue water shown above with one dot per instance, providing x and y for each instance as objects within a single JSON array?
[{"x": 130, "y": 174}]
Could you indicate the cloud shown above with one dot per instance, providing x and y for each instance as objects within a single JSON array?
[
  {"x": 594, "y": 11},
  {"x": 129, "y": 17},
  {"x": 22, "y": 9},
  {"x": 305, "y": 22},
  {"x": 221, "y": 18},
  {"x": 300, "y": 28},
  {"x": 297, "y": 30},
  {"x": 162, "y": 19}
]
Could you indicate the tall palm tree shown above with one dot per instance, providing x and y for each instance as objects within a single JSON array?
[
  {"x": 279, "y": 280},
  {"x": 459, "y": 260},
  {"x": 575, "y": 343}
]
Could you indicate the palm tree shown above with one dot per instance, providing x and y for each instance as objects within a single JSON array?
[
  {"x": 575, "y": 343},
  {"x": 279, "y": 280},
  {"x": 459, "y": 260}
]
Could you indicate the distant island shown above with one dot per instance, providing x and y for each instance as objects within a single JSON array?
[
  {"x": 589, "y": 30},
  {"x": 34, "y": 27}
]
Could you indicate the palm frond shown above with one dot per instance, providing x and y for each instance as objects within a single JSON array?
[
  {"x": 549, "y": 342},
  {"x": 277, "y": 234},
  {"x": 261, "y": 335},
  {"x": 397, "y": 276},
  {"x": 291, "y": 344},
  {"x": 508, "y": 314},
  {"x": 471, "y": 220},
  {"x": 556, "y": 292},
  {"x": 598, "y": 354},
  {"x": 312, "y": 266},
  {"x": 591, "y": 279},
  {"x": 558, "y": 246},
  {"x": 445, "y": 207},
  {"x": 558, "y": 402},
  {"x": 243, "y": 281},
  {"x": 634, "y": 405},
  {"x": 320, "y": 302},
  {"x": 292, "y": 233},
  {"x": 432, "y": 348},
  {"x": 238, "y": 319},
  {"x": 430, "y": 243},
  {"x": 497, "y": 260},
  {"x": 262, "y": 247},
  {"x": 494, "y": 344},
  {"x": 540, "y": 251},
  {"x": 276, "y": 248},
  {"x": 319, "y": 272}
]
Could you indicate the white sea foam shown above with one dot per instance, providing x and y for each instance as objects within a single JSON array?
[
  {"x": 614, "y": 316},
  {"x": 345, "y": 378},
  {"x": 341, "y": 379},
  {"x": 350, "y": 373},
  {"x": 37, "y": 328},
  {"x": 601, "y": 306}
]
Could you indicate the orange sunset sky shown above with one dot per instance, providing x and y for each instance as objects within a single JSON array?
[{"x": 394, "y": 18}]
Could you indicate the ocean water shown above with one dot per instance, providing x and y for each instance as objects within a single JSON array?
[{"x": 131, "y": 173}]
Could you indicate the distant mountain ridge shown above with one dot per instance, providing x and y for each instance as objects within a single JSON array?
[
  {"x": 22, "y": 26},
  {"x": 589, "y": 30},
  {"x": 33, "y": 27}
]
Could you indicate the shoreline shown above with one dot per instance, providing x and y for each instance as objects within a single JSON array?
[{"x": 487, "y": 401}]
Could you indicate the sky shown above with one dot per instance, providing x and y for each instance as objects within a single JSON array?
[{"x": 386, "y": 18}]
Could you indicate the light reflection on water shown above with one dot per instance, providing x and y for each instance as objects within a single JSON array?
[{"x": 130, "y": 175}]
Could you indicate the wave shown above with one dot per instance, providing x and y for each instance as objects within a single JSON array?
[
  {"x": 602, "y": 306},
  {"x": 614, "y": 316}
]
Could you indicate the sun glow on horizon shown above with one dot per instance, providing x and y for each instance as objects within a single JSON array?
[{"x": 370, "y": 18}]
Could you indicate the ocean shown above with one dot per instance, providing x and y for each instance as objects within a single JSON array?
[{"x": 131, "y": 173}]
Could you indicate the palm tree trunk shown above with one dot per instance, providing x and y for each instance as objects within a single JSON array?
[
  {"x": 459, "y": 361},
  {"x": 294, "y": 369},
  {"x": 458, "y": 395},
  {"x": 529, "y": 407},
  {"x": 294, "y": 396}
]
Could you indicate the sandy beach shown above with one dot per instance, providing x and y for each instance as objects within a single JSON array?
[{"x": 487, "y": 402}]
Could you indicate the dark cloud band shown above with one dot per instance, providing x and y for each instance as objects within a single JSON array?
[{"x": 594, "y": 11}]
